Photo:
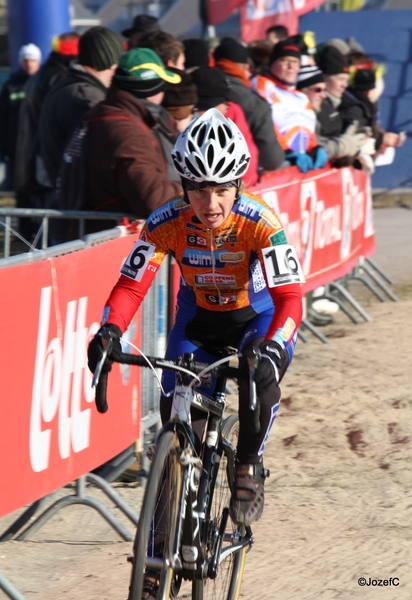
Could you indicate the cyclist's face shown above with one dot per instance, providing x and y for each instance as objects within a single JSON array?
[{"x": 212, "y": 205}]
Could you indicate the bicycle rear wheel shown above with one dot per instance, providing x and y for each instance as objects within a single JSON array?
[
  {"x": 156, "y": 530},
  {"x": 227, "y": 584}
]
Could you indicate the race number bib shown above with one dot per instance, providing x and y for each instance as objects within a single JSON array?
[
  {"x": 137, "y": 261},
  {"x": 282, "y": 265}
]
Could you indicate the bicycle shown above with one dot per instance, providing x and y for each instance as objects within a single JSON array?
[{"x": 185, "y": 537}]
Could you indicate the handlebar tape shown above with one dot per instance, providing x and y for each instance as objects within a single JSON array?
[{"x": 101, "y": 393}]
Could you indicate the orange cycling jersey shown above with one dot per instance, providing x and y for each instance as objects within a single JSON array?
[{"x": 223, "y": 270}]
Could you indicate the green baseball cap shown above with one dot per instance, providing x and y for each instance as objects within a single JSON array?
[{"x": 143, "y": 65}]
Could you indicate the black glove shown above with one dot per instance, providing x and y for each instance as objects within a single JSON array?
[
  {"x": 95, "y": 349},
  {"x": 272, "y": 366}
]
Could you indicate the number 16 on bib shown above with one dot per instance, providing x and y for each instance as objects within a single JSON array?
[{"x": 282, "y": 265}]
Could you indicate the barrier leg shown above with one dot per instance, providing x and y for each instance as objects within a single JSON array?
[
  {"x": 357, "y": 276},
  {"x": 315, "y": 331},
  {"x": 377, "y": 268},
  {"x": 81, "y": 498},
  {"x": 339, "y": 287},
  {"x": 22, "y": 520},
  {"x": 303, "y": 337},
  {"x": 9, "y": 589},
  {"x": 342, "y": 306},
  {"x": 378, "y": 282}
]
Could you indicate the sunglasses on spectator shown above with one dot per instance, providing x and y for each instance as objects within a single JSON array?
[{"x": 318, "y": 90}]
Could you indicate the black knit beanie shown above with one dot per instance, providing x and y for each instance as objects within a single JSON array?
[
  {"x": 286, "y": 47},
  {"x": 231, "y": 50},
  {"x": 100, "y": 48},
  {"x": 332, "y": 62}
]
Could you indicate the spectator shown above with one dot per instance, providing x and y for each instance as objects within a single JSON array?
[
  {"x": 276, "y": 33},
  {"x": 196, "y": 54},
  {"x": 29, "y": 173},
  {"x": 311, "y": 82},
  {"x": 214, "y": 92},
  {"x": 357, "y": 104},
  {"x": 84, "y": 85},
  {"x": 259, "y": 53},
  {"x": 11, "y": 98},
  {"x": 125, "y": 166},
  {"x": 167, "y": 46},
  {"x": 335, "y": 68},
  {"x": 141, "y": 25},
  {"x": 293, "y": 117},
  {"x": 232, "y": 58},
  {"x": 180, "y": 100}
]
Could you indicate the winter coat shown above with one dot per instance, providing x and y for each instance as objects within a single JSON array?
[
  {"x": 329, "y": 119},
  {"x": 259, "y": 118},
  {"x": 64, "y": 105},
  {"x": 125, "y": 166},
  {"x": 11, "y": 98},
  {"x": 236, "y": 114},
  {"x": 37, "y": 87}
]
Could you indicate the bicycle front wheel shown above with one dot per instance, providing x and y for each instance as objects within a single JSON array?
[
  {"x": 156, "y": 531},
  {"x": 227, "y": 584}
]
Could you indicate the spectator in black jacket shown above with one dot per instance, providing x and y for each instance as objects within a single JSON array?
[
  {"x": 11, "y": 98},
  {"x": 232, "y": 58},
  {"x": 29, "y": 176},
  {"x": 84, "y": 85}
]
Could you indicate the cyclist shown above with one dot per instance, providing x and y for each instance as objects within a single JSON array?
[{"x": 239, "y": 286}]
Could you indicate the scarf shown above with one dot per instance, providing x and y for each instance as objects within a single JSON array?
[{"x": 231, "y": 68}]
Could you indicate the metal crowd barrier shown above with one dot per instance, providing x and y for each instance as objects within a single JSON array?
[{"x": 44, "y": 216}]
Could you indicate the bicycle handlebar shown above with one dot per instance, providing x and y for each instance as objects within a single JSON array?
[{"x": 100, "y": 378}]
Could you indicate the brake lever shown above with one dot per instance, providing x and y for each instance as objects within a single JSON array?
[
  {"x": 253, "y": 361},
  {"x": 107, "y": 346}
]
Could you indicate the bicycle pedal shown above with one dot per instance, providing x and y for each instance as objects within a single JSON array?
[
  {"x": 129, "y": 559},
  {"x": 150, "y": 452},
  {"x": 266, "y": 473}
]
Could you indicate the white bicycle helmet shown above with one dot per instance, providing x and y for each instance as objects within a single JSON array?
[{"x": 211, "y": 148}]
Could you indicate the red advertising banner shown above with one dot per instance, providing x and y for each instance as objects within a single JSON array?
[
  {"x": 50, "y": 431},
  {"x": 220, "y": 10},
  {"x": 256, "y": 16},
  {"x": 304, "y": 6},
  {"x": 327, "y": 218}
]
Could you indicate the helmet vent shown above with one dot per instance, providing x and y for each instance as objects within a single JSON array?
[
  {"x": 228, "y": 169},
  {"x": 178, "y": 167},
  {"x": 211, "y": 135},
  {"x": 210, "y": 155},
  {"x": 190, "y": 146},
  {"x": 222, "y": 137},
  {"x": 201, "y": 135},
  {"x": 219, "y": 166},
  {"x": 191, "y": 168},
  {"x": 200, "y": 165}
]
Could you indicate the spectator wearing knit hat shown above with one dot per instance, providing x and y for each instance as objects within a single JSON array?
[
  {"x": 196, "y": 54},
  {"x": 214, "y": 91},
  {"x": 28, "y": 176},
  {"x": 293, "y": 117},
  {"x": 335, "y": 68},
  {"x": 311, "y": 82},
  {"x": 84, "y": 85},
  {"x": 125, "y": 164},
  {"x": 11, "y": 99},
  {"x": 232, "y": 58}
]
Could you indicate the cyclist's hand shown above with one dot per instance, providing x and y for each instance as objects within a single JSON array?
[
  {"x": 272, "y": 366},
  {"x": 95, "y": 349}
]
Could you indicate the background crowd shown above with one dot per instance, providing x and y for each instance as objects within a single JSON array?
[{"x": 104, "y": 113}]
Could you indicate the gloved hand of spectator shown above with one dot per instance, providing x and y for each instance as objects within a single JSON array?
[
  {"x": 302, "y": 160},
  {"x": 272, "y": 366},
  {"x": 368, "y": 147},
  {"x": 95, "y": 349},
  {"x": 351, "y": 140},
  {"x": 321, "y": 158}
]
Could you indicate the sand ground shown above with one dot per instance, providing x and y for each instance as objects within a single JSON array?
[{"x": 338, "y": 504}]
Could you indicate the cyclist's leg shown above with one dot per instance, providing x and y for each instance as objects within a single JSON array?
[
  {"x": 177, "y": 345},
  {"x": 248, "y": 498}
]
